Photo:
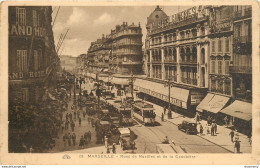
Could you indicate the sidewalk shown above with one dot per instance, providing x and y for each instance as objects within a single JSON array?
[
  {"x": 99, "y": 150},
  {"x": 222, "y": 138}
]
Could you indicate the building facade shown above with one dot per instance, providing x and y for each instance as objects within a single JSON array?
[
  {"x": 126, "y": 49},
  {"x": 241, "y": 68},
  {"x": 32, "y": 56},
  {"x": 177, "y": 49}
]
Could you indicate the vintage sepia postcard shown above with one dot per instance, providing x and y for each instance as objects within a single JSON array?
[{"x": 130, "y": 83}]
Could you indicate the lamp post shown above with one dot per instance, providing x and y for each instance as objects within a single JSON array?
[
  {"x": 131, "y": 84},
  {"x": 74, "y": 82},
  {"x": 80, "y": 81},
  {"x": 169, "y": 85}
]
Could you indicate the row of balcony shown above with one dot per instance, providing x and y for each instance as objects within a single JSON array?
[
  {"x": 126, "y": 34},
  {"x": 240, "y": 15},
  {"x": 127, "y": 44},
  {"x": 189, "y": 81},
  {"x": 243, "y": 39},
  {"x": 175, "y": 61},
  {"x": 241, "y": 69},
  {"x": 126, "y": 53}
]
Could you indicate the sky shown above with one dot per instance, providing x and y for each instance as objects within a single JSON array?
[{"x": 87, "y": 24}]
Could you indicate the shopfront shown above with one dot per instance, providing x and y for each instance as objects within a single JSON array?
[
  {"x": 239, "y": 115},
  {"x": 211, "y": 105},
  {"x": 182, "y": 100}
]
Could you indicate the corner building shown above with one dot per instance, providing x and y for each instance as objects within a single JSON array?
[{"x": 177, "y": 49}]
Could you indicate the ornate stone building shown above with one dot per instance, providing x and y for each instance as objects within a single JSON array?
[{"x": 177, "y": 49}]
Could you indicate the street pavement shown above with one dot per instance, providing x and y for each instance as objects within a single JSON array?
[
  {"x": 148, "y": 137},
  {"x": 222, "y": 138}
]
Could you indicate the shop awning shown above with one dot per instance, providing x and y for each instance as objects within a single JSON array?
[
  {"x": 216, "y": 103},
  {"x": 205, "y": 102},
  {"x": 120, "y": 81},
  {"x": 239, "y": 109}
]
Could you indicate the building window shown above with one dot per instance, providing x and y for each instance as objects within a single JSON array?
[
  {"x": 22, "y": 60},
  {"x": 212, "y": 67},
  {"x": 220, "y": 86},
  {"x": 227, "y": 45},
  {"x": 227, "y": 87},
  {"x": 213, "y": 47},
  {"x": 213, "y": 85},
  {"x": 124, "y": 59},
  {"x": 20, "y": 16},
  {"x": 219, "y": 67},
  {"x": 226, "y": 67},
  {"x": 36, "y": 60},
  {"x": 219, "y": 45},
  {"x": 25, "y": 94}
]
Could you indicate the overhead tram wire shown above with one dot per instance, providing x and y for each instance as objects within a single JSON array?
[
  {"x": 59, "y": 41},
  {"x": 55, "y": 17},
  {"x": 53, "y": 9},
  {"x": 63, "y": 40}
]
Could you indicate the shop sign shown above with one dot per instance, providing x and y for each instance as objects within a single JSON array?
[
  {"x": 22, "y": 75},
  {"x": 196, "y": 98},
  {"x": 223, "y": 25},
  {"x": 189, "y": 13},
  {"x": 18, "y": 30}
]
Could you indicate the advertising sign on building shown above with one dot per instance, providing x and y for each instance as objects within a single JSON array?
[{"x": 196, "y": 97}]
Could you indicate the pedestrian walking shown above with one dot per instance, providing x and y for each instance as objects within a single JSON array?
[
  {"x": 164, "y": 109},
  {"x": 201, "y": 129},
  {"x": 65, "y": 138},
  {"x": 74, "y": 138},
  {"x": 72, "y": 125},
  {"x": 74, "y": 115},
  {"x": 69, "y": 139},
  {"x": 215, "y": 128},
  {"x": 79, "y": 121},
  {"x": 67, "y": 116},
  {"x": 81, "y": 142},
  {"x": 232, "y": 134},
  {"x": 84, "y": 114},
  {"x": 237, "y": 146},
  {"x": 226, "y": 121},
  {"x": 114, "y": 148},
  {"x": 212, "y": 130},
  {"x": 89, "y": 136},
  {"x": 86, "y": 136},
  {"x": 208, "y": 131},
  {"x": 70, "y": 116},
  {"x": 162, "y": 117},
  {"x": 106, "y": 141}
]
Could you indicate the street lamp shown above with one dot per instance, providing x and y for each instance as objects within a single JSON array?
[
  {"x": 131, "y": 84},
  {"x": 80, "y": 81},
  {"x": 169, "y": 85}
]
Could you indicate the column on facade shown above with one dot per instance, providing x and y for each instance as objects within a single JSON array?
[
  {"x": 162, "y": 64},
  {"x": 198, "y": 30},
  {"x": 206, "y": 28},
  {"x": 198, "y": 65},
  {"x": 151, "y": 67},
  {"x": 177, "y": 34},
  {"x": 162, "y": 38},
  {"x": 206, "y": 65},
  {"x": 178, "y": 64}
]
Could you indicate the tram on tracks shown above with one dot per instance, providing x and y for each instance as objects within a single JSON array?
[
  {"x": 144, "y": 112},
  {"x": 125, "y": 111}
]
